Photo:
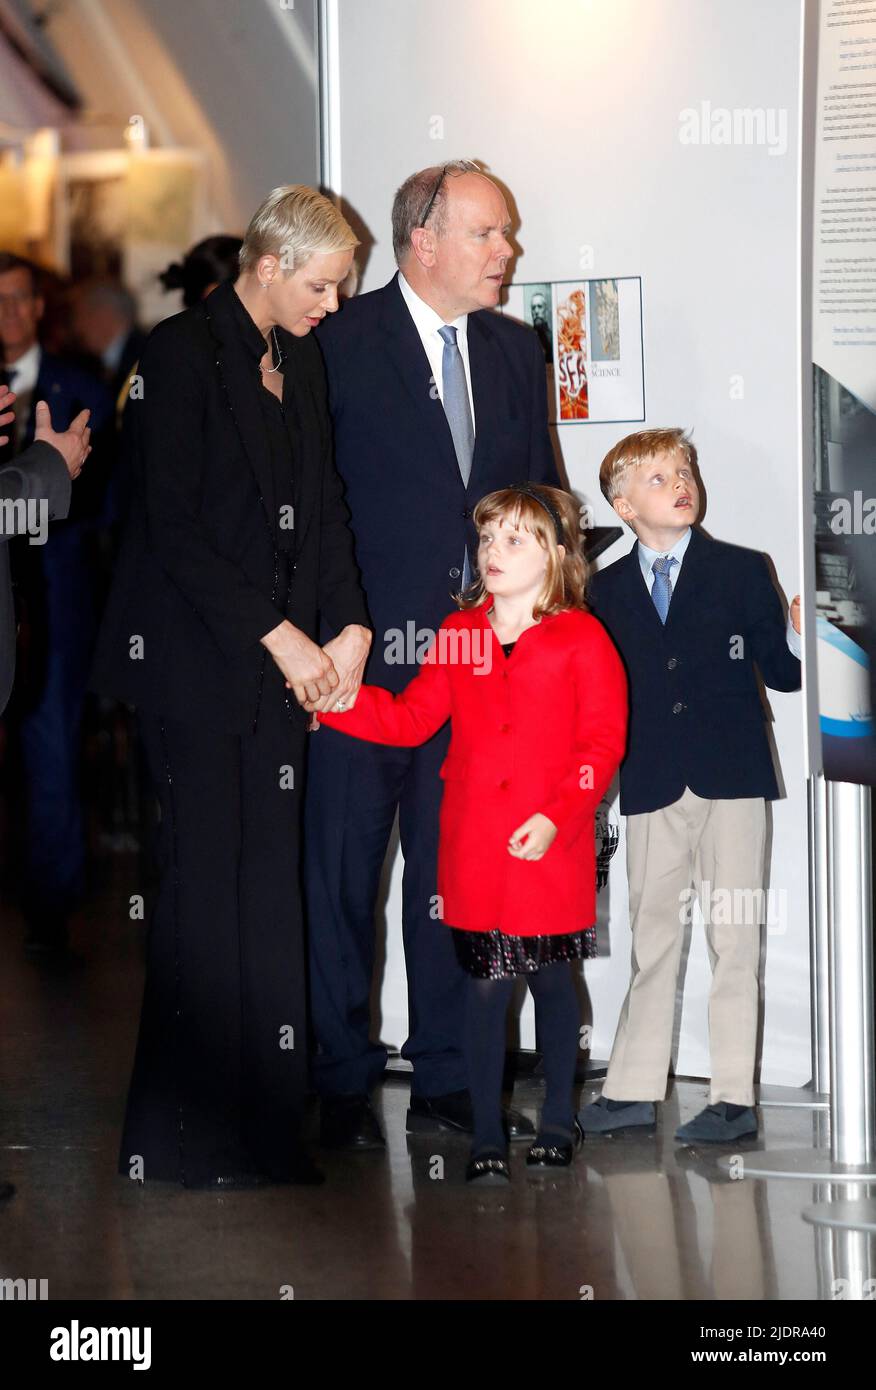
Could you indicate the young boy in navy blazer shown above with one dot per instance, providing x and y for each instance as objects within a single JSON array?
[{"x": 693, "y": 619}]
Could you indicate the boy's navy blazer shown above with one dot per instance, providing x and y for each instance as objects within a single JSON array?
[
  {"x": 697, "y": 718},
  {"x": 411, "y": 514}
]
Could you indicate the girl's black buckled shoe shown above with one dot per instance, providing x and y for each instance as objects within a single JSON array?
[
  {"x": 554, "y": 1155},
  {"x": 489, "y": 1169}
]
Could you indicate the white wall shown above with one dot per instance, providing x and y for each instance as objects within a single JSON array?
[{"x": 575, "y": 105}]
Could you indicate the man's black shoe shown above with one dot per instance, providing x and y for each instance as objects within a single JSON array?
[
  {"x": 349, "y": 1122},
  {"x": 428, "y": 1114},
  {"x": 230, "y": 1182},
  {"x": 6, "y": 1191},
  {"x": 298, "y": 1170},
  {"x": 47, "y": 943},
  {"x": 305, "y": 1172}
]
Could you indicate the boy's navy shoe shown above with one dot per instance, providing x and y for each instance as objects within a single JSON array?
[
  {"x": 607, "y": 1117},
  {"x": 715, "y": 1126}
]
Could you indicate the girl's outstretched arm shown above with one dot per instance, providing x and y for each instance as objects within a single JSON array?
[{"x": 403, "y": 720}]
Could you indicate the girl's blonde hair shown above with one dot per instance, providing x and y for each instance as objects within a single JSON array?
[
  {"x": 565, "y": 580},
  {"x": 293, "y": 223}
]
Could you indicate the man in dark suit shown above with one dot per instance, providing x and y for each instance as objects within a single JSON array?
[
  {"x": 105, "y": 323},
  {"x": 55, "y": 585},
  {"x": 435, "y": 401},
  {"x": 39, "y": 481}
]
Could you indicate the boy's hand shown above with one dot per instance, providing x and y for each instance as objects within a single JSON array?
[
  {"x": 795, "y": 613},
  {"x": 533, "y": 838}
]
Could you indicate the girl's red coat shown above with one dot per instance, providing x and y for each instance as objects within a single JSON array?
[{"x": 541, "y": 730}]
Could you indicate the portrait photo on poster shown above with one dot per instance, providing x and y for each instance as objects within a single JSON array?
[{"x": 591, "y": 335}]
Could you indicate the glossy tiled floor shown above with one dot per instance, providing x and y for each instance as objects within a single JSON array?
[{"x": 634, "y": 1219}]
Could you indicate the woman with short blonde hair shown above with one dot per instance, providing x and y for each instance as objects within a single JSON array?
[
  {"x": 237, "y": 544},
  {"x": 294, "y": 222}
]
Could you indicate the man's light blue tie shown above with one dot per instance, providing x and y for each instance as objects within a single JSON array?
[
  {"x": 458, "y": 412},
  {"x": 661, "y": 593}
]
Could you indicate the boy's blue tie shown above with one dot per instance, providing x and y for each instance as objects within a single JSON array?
[
  {"x": 458, "y": 412},
  {"x": 661, "y": 593}
]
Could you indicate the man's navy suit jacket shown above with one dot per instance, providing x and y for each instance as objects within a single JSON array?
[
  {"x": 697, "y": 718},
  {"x": 411, "y": 514}
]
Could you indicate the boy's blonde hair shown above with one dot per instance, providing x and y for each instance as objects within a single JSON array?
[
  {"x": 293, "y": 223},
  {"x": 637, "y": 449},
  {"x": 565, "y": 578}
]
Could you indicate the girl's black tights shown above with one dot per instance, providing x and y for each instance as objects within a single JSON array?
[{"x": 557, "y": 1021}]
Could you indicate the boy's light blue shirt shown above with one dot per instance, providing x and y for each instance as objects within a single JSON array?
[{"x": 647, "y": 556}]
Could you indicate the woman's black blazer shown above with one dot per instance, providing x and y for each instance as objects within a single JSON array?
[{"x": 201, "y": 576}]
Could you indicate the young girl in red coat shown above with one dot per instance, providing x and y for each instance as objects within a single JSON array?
[{"x": 537, "y": 699}]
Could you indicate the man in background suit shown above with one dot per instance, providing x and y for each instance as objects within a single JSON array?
[
  {"x": 435, "y": 401},
  {"x": 56, "y": 586},
  {"x": 42, "y": 475},
  {"x": 105, "y": 323}
]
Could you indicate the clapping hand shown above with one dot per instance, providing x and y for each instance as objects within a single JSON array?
[
  {"x": 72, "y": 443},
  {"x": 7, "y": 415}
]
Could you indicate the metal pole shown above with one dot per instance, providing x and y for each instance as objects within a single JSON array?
[
  {"x": 329, "y": 99},
  {"x": 850, "y": 933},
  {"x": 813, "y": 1096},
  {"x": 850, "y": 980},
  {"x": 819, "y": 980}
]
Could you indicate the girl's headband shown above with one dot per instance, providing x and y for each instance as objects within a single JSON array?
[{"x": 542, "y": 502}]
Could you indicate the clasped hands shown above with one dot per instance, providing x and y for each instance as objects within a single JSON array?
[
  {"x": 321, "y": 678},
  {"x": 329, "y": 677}
]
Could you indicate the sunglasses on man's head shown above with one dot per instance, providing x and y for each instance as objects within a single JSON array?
[{"x": 469, "y": 168}]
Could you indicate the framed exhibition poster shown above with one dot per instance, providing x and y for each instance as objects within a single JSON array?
[{"x": 591, "y": 334}]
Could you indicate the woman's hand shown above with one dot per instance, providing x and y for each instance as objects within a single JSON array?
[
  {"x": 349, "y": 652},
  {"x": 533, "y": 838},
  {"x": 795, "y": 613},
  {"x": 309, "y": 671}
]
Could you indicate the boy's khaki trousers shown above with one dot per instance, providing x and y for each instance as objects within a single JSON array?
[{"x": 716, "y": 848}]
